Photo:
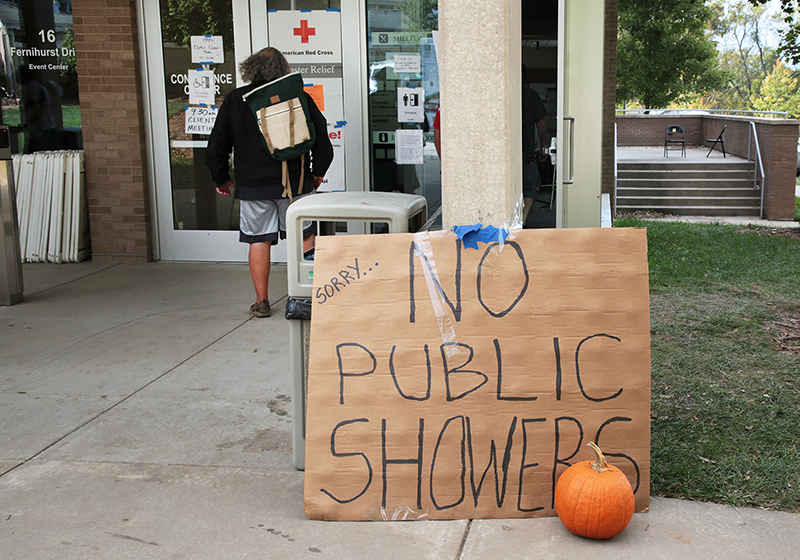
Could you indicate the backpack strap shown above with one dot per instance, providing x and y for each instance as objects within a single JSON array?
[
  {"x": 287, "y": 185},
  {"x": 302, "y": 173},
  {"x": 287, "y": 182}
]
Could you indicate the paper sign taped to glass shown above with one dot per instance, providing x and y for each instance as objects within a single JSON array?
[{"x": 456, "y": 383}]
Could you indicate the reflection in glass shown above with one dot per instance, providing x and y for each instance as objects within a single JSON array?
[{"x": 38, "y": 76}]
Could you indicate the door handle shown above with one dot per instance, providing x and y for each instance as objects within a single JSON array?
[
  {"x": 571, "y": 120},
  {"x": 551, "y": 151}
]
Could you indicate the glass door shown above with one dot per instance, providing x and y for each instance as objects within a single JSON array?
[
  {"x": 403, "y": 98},
  {"x": 540, "y": 82},
  {"x": 563, "y": 45},
  {"x": 193, "y": 49},
  {"x": 580, "y": 113}
]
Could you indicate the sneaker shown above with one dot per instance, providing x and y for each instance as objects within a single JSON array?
[{"x": 260, "y": 309}]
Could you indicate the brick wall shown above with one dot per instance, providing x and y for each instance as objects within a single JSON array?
[
  {"x": 609, "y": 95},
  {"x": 649, "y": 130},
  {"x": 778, "y": 142},
  {"x": 107, "y": 48}
]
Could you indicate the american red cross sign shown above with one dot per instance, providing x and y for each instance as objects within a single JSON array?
[{"x": 304, "y": 31}]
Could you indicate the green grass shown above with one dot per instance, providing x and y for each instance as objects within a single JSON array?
[
  {"x": 71, "y": 115},
  {"x": 725, "y": 391}
]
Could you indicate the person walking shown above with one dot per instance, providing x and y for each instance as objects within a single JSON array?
[{"x": 258, "y": 176}]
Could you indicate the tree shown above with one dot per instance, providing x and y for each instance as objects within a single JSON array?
[
  {"x": 790, "y": 35},
  {"x": 664, "y": 50},
  {"x": 779, "y": 92},
  {"x": 739, "y": 29},
  {"x": 181, "y": 19},
  {"x": 420, "y": 15}
]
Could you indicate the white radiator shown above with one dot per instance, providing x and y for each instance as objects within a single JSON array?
[{"x": 52, "y": 207}]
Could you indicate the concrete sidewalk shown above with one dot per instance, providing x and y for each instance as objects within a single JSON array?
[{"x": 144, "y": 414}]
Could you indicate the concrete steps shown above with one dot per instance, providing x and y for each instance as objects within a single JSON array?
[{"x": 688, "y": 188}]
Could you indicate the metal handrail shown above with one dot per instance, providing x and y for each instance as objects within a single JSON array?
[
  {"x": 753, "y": 139},
  {"x": 700, "y": 112},
  {"x": 616, "y": 173}
]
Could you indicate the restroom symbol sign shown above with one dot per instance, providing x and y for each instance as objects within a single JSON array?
[
  {"x": 411, "y": 100},
  {"x": 410, "y": 104}
]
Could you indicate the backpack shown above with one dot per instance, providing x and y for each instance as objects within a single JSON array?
[{"x": 287, "y": 131}]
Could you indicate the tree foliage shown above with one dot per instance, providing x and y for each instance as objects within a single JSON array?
[
  {"x": 181, "y": 19},
  {"x": 664, "y": 51},
  {"x": 779, "y": 92},
  {"x": 740, "y": 29},
  {"x": 420, "y": 15},
  {"x": 789, "y": 48}
]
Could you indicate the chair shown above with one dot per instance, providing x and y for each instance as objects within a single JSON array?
[
  {"x": 718, "y": 140},
  {"x": 672, "y": 140}
]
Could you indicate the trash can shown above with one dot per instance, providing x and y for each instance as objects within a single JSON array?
[
  {"x": 402, "y": 213},
  {"x": 10, "y": 255}
]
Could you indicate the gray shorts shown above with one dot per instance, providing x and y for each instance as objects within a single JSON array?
[{"x": 264, "y": 221}]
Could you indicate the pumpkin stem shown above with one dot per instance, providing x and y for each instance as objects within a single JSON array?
[{"x": 601, "y": 465}]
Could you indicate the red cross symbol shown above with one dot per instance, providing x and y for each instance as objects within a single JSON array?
[{"x": 304, "y": 31}]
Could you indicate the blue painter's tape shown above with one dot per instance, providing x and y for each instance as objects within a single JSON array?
[{"x": 471, "y": 235}]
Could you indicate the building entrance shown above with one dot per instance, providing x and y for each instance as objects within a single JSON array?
[
  {"x": 372, "y": 67},
  {"x": 192, "y": 64}
]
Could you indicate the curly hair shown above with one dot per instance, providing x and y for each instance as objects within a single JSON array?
[{"x": 264, "y": 66}]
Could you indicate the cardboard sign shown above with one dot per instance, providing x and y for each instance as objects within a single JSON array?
[{"x": 454, "y": 383}]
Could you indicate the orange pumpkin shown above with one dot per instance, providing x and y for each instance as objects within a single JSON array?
[{"x": 594, "y": 499}]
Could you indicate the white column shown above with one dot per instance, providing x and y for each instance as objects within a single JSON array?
[{"x": 481, "y": 80}]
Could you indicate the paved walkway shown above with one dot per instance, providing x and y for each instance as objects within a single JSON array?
[
  {"x": 145, "y": 415},
  {"x": 694, "y": 154}
]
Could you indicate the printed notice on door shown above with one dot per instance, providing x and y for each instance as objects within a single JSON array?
[
  {"x": 410, "y": 104},
  {"x": 408, "y": 146},
  {"x": 201, "y": 87}
]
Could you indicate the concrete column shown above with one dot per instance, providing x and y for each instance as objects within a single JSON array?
[{"x": 481, "y": 121}]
